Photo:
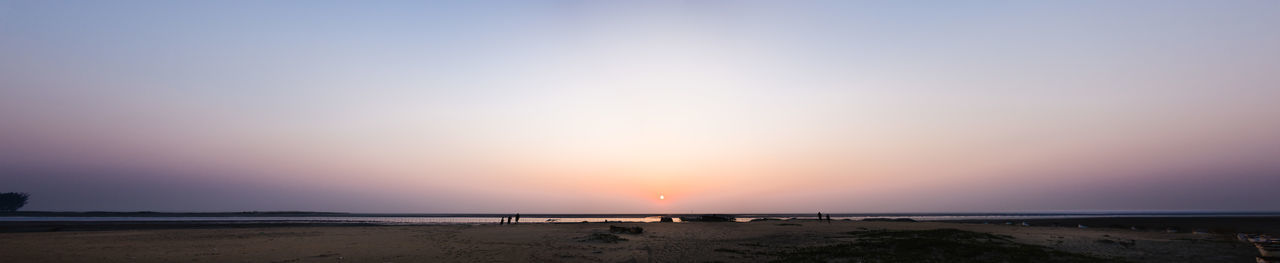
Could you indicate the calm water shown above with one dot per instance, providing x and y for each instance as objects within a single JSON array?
[{"x": 445, "y": 219}]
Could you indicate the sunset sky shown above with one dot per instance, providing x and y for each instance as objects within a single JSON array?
[{"x": 602, "y": 106}]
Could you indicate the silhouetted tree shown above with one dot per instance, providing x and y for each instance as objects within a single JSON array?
[{"x": 12, "y": 201}]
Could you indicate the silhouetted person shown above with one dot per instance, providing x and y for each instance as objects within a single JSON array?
[
  {"x": 517, "y": 217},
  {"x": 819, "y": 216},
  {"x": 828, "y": 218},
  {"x": 509, "y": 220},
  {"x": 502, "y": 220}
]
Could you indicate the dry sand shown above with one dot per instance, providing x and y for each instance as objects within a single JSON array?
[{"x": 661, "y": 242}]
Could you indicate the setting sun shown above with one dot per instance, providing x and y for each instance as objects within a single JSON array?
[{"x": 662, "y": 197}]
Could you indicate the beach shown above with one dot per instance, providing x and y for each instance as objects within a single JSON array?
[{"x": 761, "y": 241}]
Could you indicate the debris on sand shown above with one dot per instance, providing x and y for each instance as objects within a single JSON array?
[
  {"x": 1267, "y": 246},
  {"x": 1254, "y": 238},
  {"x": 1268, "y": 249}
]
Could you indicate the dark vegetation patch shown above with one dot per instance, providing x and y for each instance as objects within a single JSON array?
[
  {"x": 602, "y": 238},
  {"x": 728, "y": 250},
  {"x": 938, "y": 245},
  {"x": 626, "y": 230},
  {"x": 889, "y": 220},
  {"x": 1124, "y": 243}
]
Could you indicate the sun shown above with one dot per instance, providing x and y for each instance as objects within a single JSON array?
[{"x": 662, "y": 197}]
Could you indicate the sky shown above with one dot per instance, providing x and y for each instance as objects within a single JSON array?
[{"x": 602, "y": 106}]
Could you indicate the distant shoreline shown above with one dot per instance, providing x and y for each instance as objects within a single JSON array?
[
  {"x": 764, "y": 215},
  {"x": 1225, "y": 224}
]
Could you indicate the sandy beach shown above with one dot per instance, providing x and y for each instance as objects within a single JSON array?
[{"x": 761, "y": 241}]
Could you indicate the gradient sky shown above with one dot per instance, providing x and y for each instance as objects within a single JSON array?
[{"x": 601, "y": 106}]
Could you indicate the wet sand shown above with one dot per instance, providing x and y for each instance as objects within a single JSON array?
[{"x": 661, "y": 242}]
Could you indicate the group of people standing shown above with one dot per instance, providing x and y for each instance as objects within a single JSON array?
[
  {"x": 828, "y": 219},
  {"x": 509, "y": 219}
]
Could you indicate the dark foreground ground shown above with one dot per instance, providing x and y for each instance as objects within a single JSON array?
[{"x": 764, "y": 241}]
